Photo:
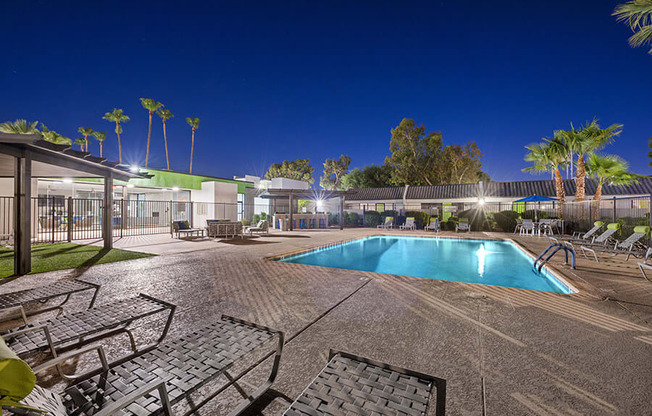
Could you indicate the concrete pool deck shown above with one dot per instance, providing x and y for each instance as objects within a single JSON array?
[{"x": 507, "y": 351}]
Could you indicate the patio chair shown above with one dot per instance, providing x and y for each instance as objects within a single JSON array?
[
  {"x": 519, "y": 223},
  {"x": 17, "y": 301},
  {"x": 74, "y": 330},
  {"x": 409, "y": 224},
  {"x": 157, "y": 380},
  {"x": 547, "y": 226},
  {"x": 644, "y": 265},
  {"x": 629, "y": 246},
  {"x": 587, "y": 236},
  {"x": 183, "y": 227},
  {"x": 388, "y": 224},
  {"x": 463, "y": 225},
  {"x": 261, "y": 227},
  {"x": 350, "y": 385},
  {"x": 604, "y": 239},
  {"x": 432, "y": 225},
  {"x": 527, "y": 227}
]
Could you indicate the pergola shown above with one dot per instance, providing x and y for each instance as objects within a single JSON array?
[
  {"x": 307, "y": 194},
  {"x": 27, "y": 156}
]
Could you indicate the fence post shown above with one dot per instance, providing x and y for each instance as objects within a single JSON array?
[
  {"x": 649, "y": 211},
  {"x": 171, "y": 219},
  {"x": 364, "y": 223},
  {"x": 192, "y": 216},
  {"x": 70, "y": 218},
  {"x": 613, "y": 218},
  {"x": 53, "y": 212}
]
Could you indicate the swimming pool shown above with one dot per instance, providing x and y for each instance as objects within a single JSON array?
[{"x": 488, "y": 262}]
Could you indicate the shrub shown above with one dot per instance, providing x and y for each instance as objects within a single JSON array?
[
  {"x": 529, "y": 214},
  {"x": 390, "y": 213},
  {"x": 506, "y": 220},
  {"x": 448, "y": 226},
  {"x": 245, "y": 223},
  {"x": 255, "y": 219},
  {"x": 372, "y": 218},
  {"x": 477, "y": 219},
  {"x": 352, "y": 218},
  {"x": 421, "y": 219},
  {"x": 263, "y": 216},
  {"x": 333, "y": 219}
]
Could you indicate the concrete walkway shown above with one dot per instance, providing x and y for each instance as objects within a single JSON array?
[{"x": 502, "y": 351}]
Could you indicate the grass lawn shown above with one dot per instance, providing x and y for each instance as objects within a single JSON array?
[{"x": 59, "y": 256}]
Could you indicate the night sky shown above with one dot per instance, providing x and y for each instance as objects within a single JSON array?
[{"x": 274, "y": 80}]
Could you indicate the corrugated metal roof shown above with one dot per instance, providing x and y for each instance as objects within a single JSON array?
[{"x": 514, "y": 190}]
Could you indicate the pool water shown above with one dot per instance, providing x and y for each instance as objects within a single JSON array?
[{"x": 497, "y": 263}]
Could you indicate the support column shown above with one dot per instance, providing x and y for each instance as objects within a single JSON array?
[
  {"x": 341, "y": 212},
  {"x": 23, "y": 214},
  {"x": 291, "y": 216},
  {"x": 107, "y": 214}
]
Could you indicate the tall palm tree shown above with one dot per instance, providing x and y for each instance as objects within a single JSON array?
[
  {"x": 638, "y": 15},
  {"x": 86, "y": 131},
  {"x": 610, "y": 170},
  {"x": 19, "y": 126},
  {"x": 81, "y": 142},
  {"x": 117, "y": 116},
  {"x": 165, "y": 116},
  {"x": 590, "y": 138},
  {"x": 151, "y": 106},
  {"x": 100, "y": 136},
  {"x": 54, "y": 137},
  {"x": 548, "y": 157},
  {"x": 194, "y": 123}
]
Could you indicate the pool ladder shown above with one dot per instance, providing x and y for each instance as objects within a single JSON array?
[{"x": 551, "y": 251}]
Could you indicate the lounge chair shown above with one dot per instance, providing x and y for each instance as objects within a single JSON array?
[
  {"x": 630, "y": 246},
  {"x": 350, "y": 385},
  {"x": 644, "y": 265},
  {"x": 74, "y": 330},
  {"x": 463, "y": 225},
  {"x": 603, "y": 240},
  {"x": 432, "y": 225},
  {"x": 579, "y": 236},
  {"x": 183, "y": 227},
  {"x": 17, "y": 301},
  {"x": 409, "y": 224},
  {"x": 261, "y": 227},
  {"x": 388, "y": 224},
  {"x": 224, "y": 228},
  {"x": 152, "y": 383}
]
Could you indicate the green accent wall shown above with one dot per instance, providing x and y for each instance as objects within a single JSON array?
[
  {"x": 166, "y": 179},
  {"x": 445, "y": 215}
]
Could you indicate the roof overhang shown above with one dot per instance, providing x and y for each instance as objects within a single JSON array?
[{"x": 310, "y": 194}]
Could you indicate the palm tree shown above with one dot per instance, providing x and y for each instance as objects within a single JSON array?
[
  {"x": 151, "y": 106},
  {"x": 548, "y": 157},
  {"x": 165, "y": 115},
  {"x": 638, "y": 15},
  {"x": 81, "y": 142},
  {"x": 118, "y": 117},
  {"x": 194, "y": 123},
  {"x": 54, "y": 137},
  {"x": 608, "y": 169},
  {"x": 100, "y": 136},
  {"x": 590, "y": 138},
  {"x": 86, "y": 131},
  {"x": 19, "y": 126}
]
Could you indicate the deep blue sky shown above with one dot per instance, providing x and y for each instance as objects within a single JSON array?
[{"x": 281, "y": 80}]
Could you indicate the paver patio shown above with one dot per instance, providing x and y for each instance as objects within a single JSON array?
[{"x": 509, "y": 351}]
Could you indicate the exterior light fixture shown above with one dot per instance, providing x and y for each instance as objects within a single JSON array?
[
  {"x": 175, "y": 189},
  {"x": 134, "y": 168},
  {"x": 67, "y": 180},
  {"x": 481, "y": 201},
  {"x": 130, "y": 185},
  {"x": 261, "y": 185}
]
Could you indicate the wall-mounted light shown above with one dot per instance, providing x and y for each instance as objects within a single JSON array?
[
  {"x": 175, "y": 189},
  {"x": 130, "y": 185},
  {"x": 67, "y": 180},
  {"x": 481, "y": 201},
  {"x": 134, "y": 168}
]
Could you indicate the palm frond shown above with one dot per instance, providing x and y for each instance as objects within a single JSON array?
[
  {"x": 150, "y": 104},
  {"x": 19, "y": 126},
  {"x": 635, "y": 13},
  {"x": 100, "y": 136},
  {"x": 193, "y": 122},
  {"x": 164, "y": 113}
]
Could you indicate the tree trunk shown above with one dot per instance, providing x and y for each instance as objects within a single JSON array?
[
  {"x": 86, "y": 143},
  {"x": 117, "y": 131},
  {"x": 598, "y": 192},
  {"x": 165, "y": 138},
  {"x": 192, "y": 148},
  {"x": 580, "y": 179},
  {"x": 596, "y": 201},
  {"x": 149, "y": 136},
  {"x": 559, "y": 185},
  {"x": 101, "y": 148}
]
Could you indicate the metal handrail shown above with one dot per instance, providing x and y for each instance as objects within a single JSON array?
[{"x": 555, "y": 247}]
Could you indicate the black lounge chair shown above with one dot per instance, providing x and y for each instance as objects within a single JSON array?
[
  {"x": 74, "y": 330},
  {"x": 152, "y": 383},
  {"x": 17, "y": 301},
  {"x": 354, "y": 385}
]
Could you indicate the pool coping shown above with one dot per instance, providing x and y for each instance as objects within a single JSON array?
[{"x": 548, "y": 268}]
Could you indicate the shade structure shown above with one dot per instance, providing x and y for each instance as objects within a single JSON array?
[{"x": 536, "y": 198}]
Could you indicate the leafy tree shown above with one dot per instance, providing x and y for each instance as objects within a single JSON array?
[
  {"x": 371, "y": 176},
  {"x": 54, "y": 137},
  {"x": 299, "y": 169},
  {"x": 484, "y": 177},
  {"x": 85, "y": 131},
  {"x": 194, "y": 123},
  {"x": 118, "y": 117},
  {"x": 165, "y": 115},
  {"x": 334, "y": 170},
  {"x": 608, "y": 169},
  {"x": 81, "y": 142},
  {"x": 19, "y": 126},
  {"x": 414, "y": 154},
  {"x": 638, "y": 15},
  {"x": 548, "y": 157},
  {"x": 590, "y": 138},
  {"x": 100, "y": 136},
  {"x": 151, "y": 106},
  {"x": 459, "y": 164}
]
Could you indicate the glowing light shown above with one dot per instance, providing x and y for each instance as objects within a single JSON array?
[
  {"x": 481, "y": 253},
  {"x": 130, "y": 185},
  {"x": 481, "y": 201},
  {"x": 175, "y": 188},
  {"x": 67, "y": 180},
  {"x": 261, "y": 185},
  {"x": 134, "y": 168}
]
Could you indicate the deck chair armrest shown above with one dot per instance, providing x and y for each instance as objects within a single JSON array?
[
  {"x": 36, "y": 328},
  {"x": 137, "y": 394},
  {"x": 55, "y": 362},
  {"x": 18, "y": 309}
]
